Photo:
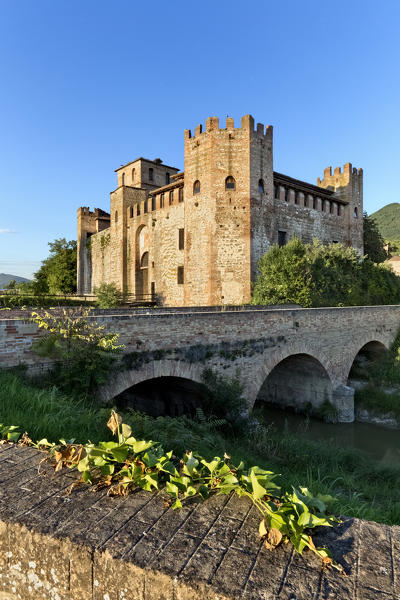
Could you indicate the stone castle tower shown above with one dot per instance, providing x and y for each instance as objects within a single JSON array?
[{"x": 195, "y": 237}]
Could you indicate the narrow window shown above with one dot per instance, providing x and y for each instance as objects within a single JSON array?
[
  {"x": 153, "y": 203},
  {"x": 286, "y": 194},
  {"x": 261, "y": 186},
  {"x": 138, "y": 210},
  {"x": 144, "y": 263},
  {"x": 180, "y": 275},
  {"x": 276, "y": 191},
  {"x": 181, "y": 244},
  {"x": 296, "y": 197},
  {"x": 331, "y": 208},
  {"x": 196, "y": 187},
  {"x": 162, "y": 200},
  {"x": 145, "y": 207},
  {"x": 314, "y": 204},
  {"x": 131, "y": 212},
  {"x": 355, "y": 213},
  {"x": 305, "y": 199},
  {"x": 167, "y": 178},
  {"x": 230, "y": 183},
  {"x": 153, "y": 290},
  {"x": 123, "y": 178},
  {"x": 171, "y": 197},
  {"x": 180, "y": 194},
  {"x": 281, "y": 238},
  {"x": 133, "y": 175},
  {"x": 116, "y": 216},
  {"x": 151, "y": 174}
]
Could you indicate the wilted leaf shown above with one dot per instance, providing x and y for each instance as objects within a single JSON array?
[{"x": 114, "y": 421}]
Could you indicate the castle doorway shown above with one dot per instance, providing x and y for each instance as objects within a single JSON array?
[
  {"x": 143, "y": 279},
  {"x": 142, "y": 263}
]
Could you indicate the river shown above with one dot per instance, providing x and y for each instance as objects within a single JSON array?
[{"x": 380, "y": 443}]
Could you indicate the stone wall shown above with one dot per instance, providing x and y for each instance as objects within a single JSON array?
[{"x": 89, "y": 546}]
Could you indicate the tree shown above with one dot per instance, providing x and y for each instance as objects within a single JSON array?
[
  {"x": 323, "y": 275},
  {"x": 285, "y": 276},
  {"x": 57, "y": 275},
  {"x": 10, "y": 285},
  {"x": 373, "y": 241}
]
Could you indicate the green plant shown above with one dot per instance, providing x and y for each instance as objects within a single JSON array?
[
  {"x": 83, "y": 351},
  {"x": 108, "y": 295},
  {"x": 130, "y": 463}
]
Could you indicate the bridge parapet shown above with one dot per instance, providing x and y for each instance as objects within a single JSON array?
[{"x": 88, "y": 546}]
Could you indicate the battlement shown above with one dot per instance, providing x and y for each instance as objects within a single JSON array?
[
  {"x": 339, "y": 178},
  {"x": 246, "y": 123}
]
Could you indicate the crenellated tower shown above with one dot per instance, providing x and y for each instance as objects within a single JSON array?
[
  {"x": 347, "y": 185},
  {"x": 228, "y": 182}
]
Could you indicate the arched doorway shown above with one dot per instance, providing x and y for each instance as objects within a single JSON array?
[
  {"x": 143, "y": 287},
  {"x": 299, "y": 382},
  {"x": 163, "y": 396}
]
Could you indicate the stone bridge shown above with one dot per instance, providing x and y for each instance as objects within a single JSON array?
[{"x": 289, "y": 356}]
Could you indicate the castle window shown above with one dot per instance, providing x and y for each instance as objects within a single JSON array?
[
  {"x": 116, "y": 216},
  {"x": 131, "y": 212},
  {"x": 180, "y": 194},
  {"x": 276, "y": 191},
  {"x": 296, "y": 197},
  {"x": 286, "y": 195},
  {"x": 153, "y": 203},
  {"x": 151, "y": 174},
  {"x": 181, "y": 241},
  {"x": 314, "y": 203},
  {"x": 153, "y": 290},
  {"x": 167, "y": 178},
  {"x": 355, "y": 213},
  {"x": 196, "y": 187},
  {"x": 162, "y": 200},
  {"x": 144, "y": 263},
  {"x": 171, "y": 197},
  {"x": 331, "y": 207},
  {"x": 305, "y": 199},
  {"x": 261, "y": 186},
  {"x": 180, "y": 275},
  {"x": 123, "y": 178},
  {"x": 281, "y": 238},
  {"x": 133, "y": 175},
  {"x": 145, "y": 207},
  {"x": 230, "y": 183},
  {"x": 138, "y": 210}
]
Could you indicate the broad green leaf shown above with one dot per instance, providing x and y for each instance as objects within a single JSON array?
[
  {"x": 142, "y": 445},
  {"x": 120, "y": 454},
  {"x": 258, "y": 490},
  {"x": 176, "y": 504},
  {"x": 125, "y": 431},
  {"x": 307, "y": 519}
]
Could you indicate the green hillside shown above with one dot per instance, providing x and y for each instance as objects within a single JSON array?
[
  {"x": 388, "y": 221},
  {"x": 5, "y": 279}
]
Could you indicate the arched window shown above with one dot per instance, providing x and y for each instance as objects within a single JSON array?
[
  {"x": 356, "y": 213},
  {"x": 167, "y": 178},
  {"x": 133, "y": 175},
  {"x": 261, "y": 186},
  {"x": 150, "y": 174},
  {"x": 196, "y": 187},
  {"x": 116, "y": 216},
  {"x": 144, "y": 263},
  {"x": 123, "y": 178},
  {"x": 230, "y": 183}
]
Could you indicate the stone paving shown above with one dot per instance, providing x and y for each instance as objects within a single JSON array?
[{"x": 88, "y": 546}]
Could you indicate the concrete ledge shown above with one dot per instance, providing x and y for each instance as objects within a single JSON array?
[{"x": 88, "y": 546}]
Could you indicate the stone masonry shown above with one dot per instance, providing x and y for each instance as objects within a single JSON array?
[
  {"x": 286, "y": 356},
  {"x": 194, "y": 238},
  {"x": 88, "y": 546}
]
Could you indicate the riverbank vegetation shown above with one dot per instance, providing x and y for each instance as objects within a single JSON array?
[
  {"x": 316, "y": 275},
  {"x": 350, "y": 482}
]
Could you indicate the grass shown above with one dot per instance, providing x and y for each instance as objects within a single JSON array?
[
  {"x": 362, "y": 487},
  {"x": 376, "y": 400}
]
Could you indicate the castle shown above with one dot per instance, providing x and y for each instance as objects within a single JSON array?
[{"x": 195, "y": 237}]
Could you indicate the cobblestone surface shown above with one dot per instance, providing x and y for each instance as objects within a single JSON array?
[{"x": 88, "y": 546}]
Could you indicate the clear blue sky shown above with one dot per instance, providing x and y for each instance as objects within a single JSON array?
[{"x": 89, "y": 85}]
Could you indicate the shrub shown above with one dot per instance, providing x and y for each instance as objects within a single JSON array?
[{"x": 108, "y": 295}]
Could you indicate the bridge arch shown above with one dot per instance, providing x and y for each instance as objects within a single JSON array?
[
  {"x": 367, "y": 353},
  {"x": 156, "y": 369},
  {"x": 298, "y": 382}
]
